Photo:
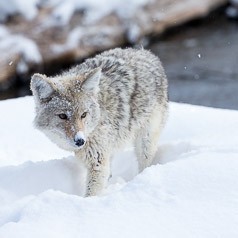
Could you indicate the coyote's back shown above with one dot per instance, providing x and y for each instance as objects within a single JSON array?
[{"x": 96, "y": 107}]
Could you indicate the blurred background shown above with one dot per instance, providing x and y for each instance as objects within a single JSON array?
[{"x": 197, "y": 42}]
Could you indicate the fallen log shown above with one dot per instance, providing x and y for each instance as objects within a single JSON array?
[{"x": 47, "y": 41}]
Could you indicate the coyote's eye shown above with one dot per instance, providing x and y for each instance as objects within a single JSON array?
[
  {"x": 63, "y": 116},
  {"x": 84, "y": 115}
]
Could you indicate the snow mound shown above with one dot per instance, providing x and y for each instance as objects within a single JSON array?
[{"x": 190, "y": 191}]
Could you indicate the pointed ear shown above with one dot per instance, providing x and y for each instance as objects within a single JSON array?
[
  {"x": 41, "y": 87},
  {"x": 91, "y": 83}
]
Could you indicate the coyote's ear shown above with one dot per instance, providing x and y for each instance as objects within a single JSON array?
[
  {"x": 41, "y": 88},
  {"x": 91, "y": 83}
]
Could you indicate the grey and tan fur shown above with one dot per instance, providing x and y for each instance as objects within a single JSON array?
[{"x": 98, "y": 106}]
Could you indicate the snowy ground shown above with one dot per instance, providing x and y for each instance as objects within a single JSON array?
[{"x": 191, "y": 191}]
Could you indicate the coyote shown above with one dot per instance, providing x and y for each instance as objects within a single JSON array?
[{"x": 97, "y": 107}]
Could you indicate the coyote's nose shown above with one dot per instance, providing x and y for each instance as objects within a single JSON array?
[
  {"x": 79, "y": 142},
  {"x": 79, "y": 139}
]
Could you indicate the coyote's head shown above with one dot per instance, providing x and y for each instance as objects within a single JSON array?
[{"x": 67, "y": 109}]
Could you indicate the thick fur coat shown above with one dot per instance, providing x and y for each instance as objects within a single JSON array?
[{"x": 96, "y": 107}]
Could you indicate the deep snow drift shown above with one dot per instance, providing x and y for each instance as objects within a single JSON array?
[{"x": 191, "y": 191}]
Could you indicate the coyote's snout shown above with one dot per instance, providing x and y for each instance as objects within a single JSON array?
[
  {"x": 79, "y": 139},
  {"x": 96, "y": 107}
]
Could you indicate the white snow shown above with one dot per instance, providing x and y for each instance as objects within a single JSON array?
[
  {"x": 64, "y": 9},
  {"x": 190, "y": 191},
  {"x": 27, "y": 8},
  {"x": 94, "y": 10},
  {"x": 25, "y": 48},
  {"x": 59, "y": 14}
]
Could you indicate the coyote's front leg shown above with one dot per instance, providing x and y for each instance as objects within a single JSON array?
[{"x": 98, "y": 167}]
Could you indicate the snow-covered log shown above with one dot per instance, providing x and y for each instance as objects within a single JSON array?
[{"x": 51, "y": 33}]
